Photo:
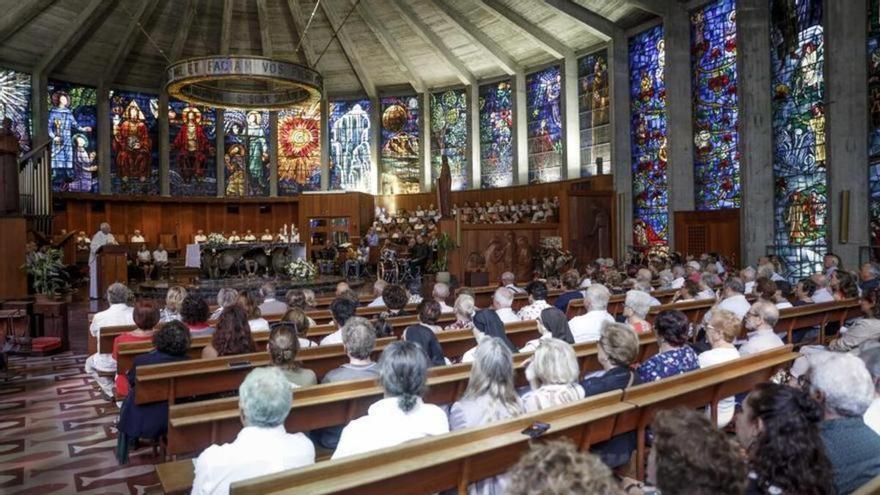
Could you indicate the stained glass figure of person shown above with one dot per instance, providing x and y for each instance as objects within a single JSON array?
[
  {"x": 83, "y": 166},
  {"x": 192, "y": 145},
  {"x": 132, "y": 145},
  {"x": 258, "y": 154},
  {"x": 235, "y": 183},
  {"x": 62, "y": 125}
]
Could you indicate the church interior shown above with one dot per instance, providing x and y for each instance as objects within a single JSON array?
[{"x": 440, "y": 246}]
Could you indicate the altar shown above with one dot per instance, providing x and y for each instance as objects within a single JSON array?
[{"x": 257, "y": 258}]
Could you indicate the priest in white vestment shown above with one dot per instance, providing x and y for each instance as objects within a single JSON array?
[{"x": 101, "y": 238}]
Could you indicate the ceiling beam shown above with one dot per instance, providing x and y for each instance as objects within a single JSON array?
[
  {"x": 428, "y": 36},
  {"x": 189, "y": 12},
  {"x": 391, "y": 46},
  {"x": 308, "y": 53},
  {"x": 478, "y": 37},
  {"x": 601, "y": 26},
  {"x": 126, "y": 41},
  {"x": 656, "y": 7},
  {"x": 547, "y": 42},
  {"x": 70, "y": 38},
  {"x": 226, "y": 26},
  {"x": 11, "y": 22},
  {"x": 263, "y": 20},
  {"x": 349, "y": 50}
]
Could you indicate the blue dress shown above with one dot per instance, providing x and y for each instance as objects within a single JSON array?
[{"x": 669, "y": 363}]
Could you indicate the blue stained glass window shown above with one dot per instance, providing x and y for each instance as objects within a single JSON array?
[
  {"x": 192, "y": 138},
  {"x": 797, "y": 53},
  {"x": 299, "y": 150},
  {"x": 350, "y": 166},
  {"x": 496, "y": 135},
  {"x": 247, "y": 152},
  {"x": 15, "y": 103},
  {"x": 401, "y": 137},
  {"x": 135, "y": 145},
  {"x": 648, "y": 143},
  {"x": 73, "y": 130},
  {"x": 716, "y": 115},
  {"x": 449, "y": 135},
  {"x": 874, "y": 128},
  {"x": 545, "y": 137},
  {"x": 594, "y": 107}
]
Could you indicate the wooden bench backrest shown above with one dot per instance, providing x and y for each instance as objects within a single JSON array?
[
  {"x": 192, "y": 427},
  {"x": 615, "y": 303},
  {"x": 817, "y": 315},
  {"x": 454, "y": 460}
]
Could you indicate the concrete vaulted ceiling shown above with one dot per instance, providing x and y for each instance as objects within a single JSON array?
[{"x": 384, "y": 46}]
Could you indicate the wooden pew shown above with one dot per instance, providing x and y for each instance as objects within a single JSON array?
[
  {"x": 173, "y": 381},
  {"x": 456, "y": 459},
  {"x": 192, "y": 427},
  {"x": 817, "y": 315},
  {"x": 615, "y": 303}
]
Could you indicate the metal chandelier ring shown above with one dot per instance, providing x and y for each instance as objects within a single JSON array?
[{"x": 242, "y": 81}]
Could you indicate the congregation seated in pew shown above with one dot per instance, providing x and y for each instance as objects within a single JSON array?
[
  {"x": 232, "y": 335},
  {"x": 283, "y": 346}
]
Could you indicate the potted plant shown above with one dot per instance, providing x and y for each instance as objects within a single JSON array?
[
  {"x": 441, "y": 264},
  {"x": 49, "y": 273}
]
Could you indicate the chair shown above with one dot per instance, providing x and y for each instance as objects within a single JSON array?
[{"x": 169, "y": 242}]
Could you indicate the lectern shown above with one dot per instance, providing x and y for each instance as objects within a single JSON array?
[{"x": 112, "y": 266}]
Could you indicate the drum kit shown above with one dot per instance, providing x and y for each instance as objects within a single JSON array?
[{"x": 395, "y": 268}]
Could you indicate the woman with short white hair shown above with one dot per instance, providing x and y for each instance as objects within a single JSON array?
[
  {"x": 262, "y": 446},
  {"x": 173, "y": 302},
  {"x": 400, "y": 416},
  {"x": 553, "y": 374},
  {"x": 635, "y": 308},
  {"x": 464, "y": 310}
]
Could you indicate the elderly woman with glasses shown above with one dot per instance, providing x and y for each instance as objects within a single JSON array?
[{"x": 635, "y": 308}]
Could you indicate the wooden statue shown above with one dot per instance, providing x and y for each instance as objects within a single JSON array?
[
  {"x": 444, "y": 189},
  {"x": 9, "y": 150}
]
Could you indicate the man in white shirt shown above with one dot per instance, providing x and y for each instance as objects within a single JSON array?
[
  {"x": 588, "y": 327},
  {"x": 508, "y": 280},
  {"x": 831, "y": 262},
  {"x": 440, "y": 293},
  {"x": 271, "y": 306},
  {"x": 160, "y": 259},
  {"x": 137, "y": 238},
  {"x": 678, "y": 280},
  {"x": 263, "y": 446},
  {"x": 119, "y": 313},
  {"x": 378, "y": 287},
  {"x": 249, "y": 236},
  {"x": 99, "y": 240},
  {"x": 502, "y": 301},
  {"x": 732, "y": 298},
  {"x": 200, "y": 237},
  {"x": 759, "y": 321},
  {"x": 822, "y": 293},
  {"x": 341, "y": 309}
]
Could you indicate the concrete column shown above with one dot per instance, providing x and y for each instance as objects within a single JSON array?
[
  {"x": 756, "y": 133},
  {"x": 572, "y": 168},
  {"x": 520, "y": 130},
  {"x": 164, "y": 145},
  {"x": 325, "y": 143},
  {"x": 621, "y": 154},
  {"x": 474, "y": 135},
  {"x": 273, "y": 154},
  {"x": 375, "y": 143},
  {"x": 39, "y": 112},
  {"x": 425, "y": 102},
  {"x": 220, "y": 146},
  {"x": 846, "y": 125},
  {"x": 105, "y": 135},
  {"x": 679, "y": 114}
]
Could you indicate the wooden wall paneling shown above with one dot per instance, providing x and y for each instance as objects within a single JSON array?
[
  {"x": 709, "y": 231},
  {"x": 13, "y": 281}
]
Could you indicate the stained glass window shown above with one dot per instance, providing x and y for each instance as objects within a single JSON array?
[
  {"x": 400, "y": 162},
  {"x": 299, "y": 150},
  {"x": 449, "y": 135},
  {"x": 648, "y": 127},
  {"x": 15, "y": 103},
  {"x": 545, "y": 138},
  {"x": 135, "y": 145},
  {"x": 349, "y": 126},
  {"x": 716, "y": 115},
  {"x": 247, "y": 152},
  {"x": 874, "y": 129},
  {"x": 593, "y": 112},
  {"x": 797, "y": 55},
  {"x": 73, "y": 130},
  {"x": 192, "y": 137},
  {"x": 496, "y": 135}
]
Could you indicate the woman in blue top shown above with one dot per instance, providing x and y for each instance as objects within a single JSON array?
[{"x": 672, "y": 329}]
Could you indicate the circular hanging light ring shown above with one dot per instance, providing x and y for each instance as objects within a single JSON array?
[{"x": 242, "y": 81}]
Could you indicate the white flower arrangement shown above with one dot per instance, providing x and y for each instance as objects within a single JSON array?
[
  {"x": 301, "y": 270},
  {"x": 216, "y": 240}
]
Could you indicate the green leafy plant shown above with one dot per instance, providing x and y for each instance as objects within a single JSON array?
[
  {"x": 444, "y": 245},
  {"x": 49, "y": 272}
]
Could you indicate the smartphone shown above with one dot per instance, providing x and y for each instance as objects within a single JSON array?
[{"x": 536, "y": 429}]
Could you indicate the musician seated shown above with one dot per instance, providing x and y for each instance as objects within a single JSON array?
[
  {"x": 356, "y": 259},
  {"x": 137, "y": 238},
  {"x": 234, "y": 238},
  {"x": 200, "y": 237},
  {"x": 145, "y": 261},
  {"x": 419, "y": 252},
  {"x": 327, "y": 257},
  {"x": 267, "y": 236},
  {"x": 250, "y": 237},
  {"x": 160, "y": 259}
]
